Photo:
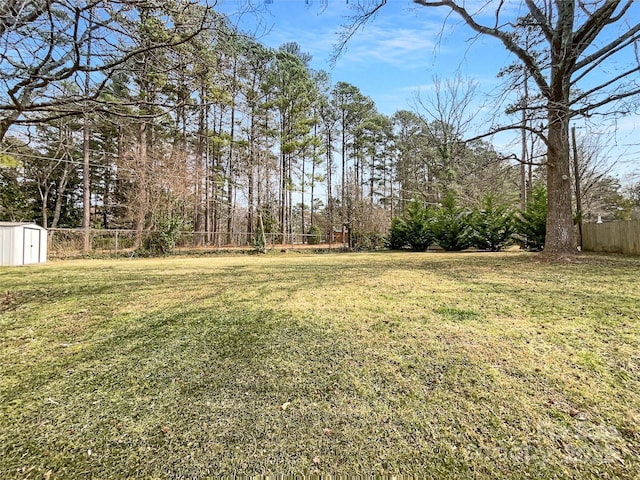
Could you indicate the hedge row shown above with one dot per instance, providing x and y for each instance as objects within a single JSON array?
[{"x": 493, "y": 226}]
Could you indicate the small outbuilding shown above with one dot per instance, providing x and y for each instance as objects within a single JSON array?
[
  {"x": 340, "y": 236},
  {"x": 22, "y": 243}
]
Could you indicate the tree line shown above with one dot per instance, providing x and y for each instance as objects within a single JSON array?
[{"x": 162, "y": 116}]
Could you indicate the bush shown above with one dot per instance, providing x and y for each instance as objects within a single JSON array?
[
  {"x": 531, "y": 225},
  {"x": 163, "y": 239},
  {"x": 315, "y": 235},
  {"x": 258, "y": 242},
  {"x": 413, "y": 229},
  {"x": 368, "y": 241},
  {"x": 397, "y": 238},
  {"x": 492, "y": 225},
  {"x": 452, "y": 225}
]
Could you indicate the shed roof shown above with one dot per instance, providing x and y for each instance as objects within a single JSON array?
[{"x": 19, "y": 224}]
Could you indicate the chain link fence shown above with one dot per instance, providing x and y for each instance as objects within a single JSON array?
[{"x": 68, "y": 242}]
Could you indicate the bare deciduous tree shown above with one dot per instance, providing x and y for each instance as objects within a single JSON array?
[{"x": 44, "y": 46}]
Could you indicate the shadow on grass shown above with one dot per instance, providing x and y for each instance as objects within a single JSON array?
[
  {"x": 200, "y": 392},
  {"x": 244, "y": 388}
]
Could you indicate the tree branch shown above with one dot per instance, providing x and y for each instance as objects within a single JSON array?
[
  {"x": 540, "y": 18},
  {"x": 587, "y": 110},
  {"x": 593, "y": 65},
  {"x": 590, "y": 29},
  {"x": 605, "y": 84},
  {"x": 352, "y": 29},
  {"x": 506, "y": 128},
  {"x": 630, "y": 34},
  {"x": 524, "y": 56}
]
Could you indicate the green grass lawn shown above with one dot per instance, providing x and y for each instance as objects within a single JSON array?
[{"x": 442, "y": 365}]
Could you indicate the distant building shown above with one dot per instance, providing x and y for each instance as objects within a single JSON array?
[{"x": 339, "y": 236}]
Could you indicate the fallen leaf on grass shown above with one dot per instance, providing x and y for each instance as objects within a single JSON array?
[
  {"x": 316, "y": 460},
  {"x": 284, "y": 406},
  {"x": 47, "y": 474},
  {"x": 327, "y": 431}
]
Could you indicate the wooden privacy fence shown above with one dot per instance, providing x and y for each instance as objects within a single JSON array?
[{"x": 613, "y": 237}]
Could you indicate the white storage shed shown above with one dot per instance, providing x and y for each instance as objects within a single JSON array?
[{"x": 22, "y": 244}]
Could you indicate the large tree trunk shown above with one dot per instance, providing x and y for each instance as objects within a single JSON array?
[
  {"x": 86, "y": 172},
  {"x": 5, "y": 123},
  {"x": 44, "y": 195},
  {"x": 250, "y": 179},
  {"x": 560, "y": 237},
  {"x": 313, "y": 175},
  {"x": 142, "y": 201},
  {"x": 302, "y": 186},
  {"x": 329, "y": 161},
  {"x": 61, "y": 189},
  {"x": 198, "y": 221},
  {"x": 231, "y": 177},
  {"x": 86, "y": 187}
]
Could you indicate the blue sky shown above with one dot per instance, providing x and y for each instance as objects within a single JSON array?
[
  {"x": 389, "y": 59},
  {"x": 399, "y": 52}
]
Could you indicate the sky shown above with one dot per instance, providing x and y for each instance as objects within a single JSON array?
[{"x": 399, "y": 52}]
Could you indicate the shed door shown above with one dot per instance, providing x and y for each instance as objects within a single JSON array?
[{"x": 31, "y": 252}]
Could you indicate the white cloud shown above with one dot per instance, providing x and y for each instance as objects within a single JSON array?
[{"x": 406, "y": 48}]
